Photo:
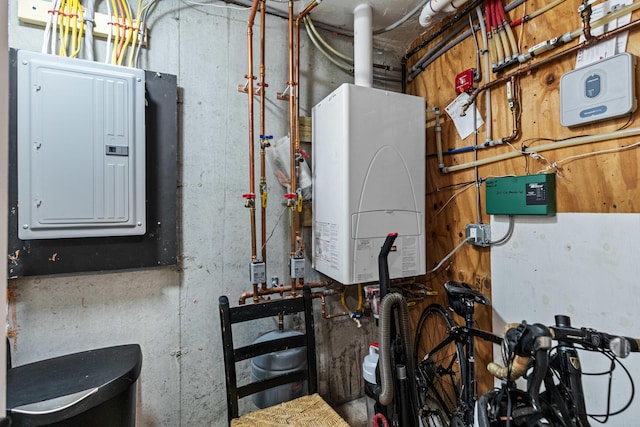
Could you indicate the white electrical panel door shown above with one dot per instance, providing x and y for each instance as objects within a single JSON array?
[
  {"x": 368, "y": 181},
  {"x": 81, "y": 148}
]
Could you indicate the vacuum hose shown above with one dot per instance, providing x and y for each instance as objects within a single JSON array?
[{"x": 386, "y": 320}]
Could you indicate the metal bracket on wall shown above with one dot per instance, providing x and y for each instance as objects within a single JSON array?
[
  {"x": 157, "y": 247},
  {"x": 36, "y": 12}
]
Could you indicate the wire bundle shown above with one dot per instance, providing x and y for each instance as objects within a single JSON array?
[
  {"x": 66, "y": 19},
  {"x": 127, "y": 32}
]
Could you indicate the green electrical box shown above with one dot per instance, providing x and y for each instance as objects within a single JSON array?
[{"x": 522, "y": 195}]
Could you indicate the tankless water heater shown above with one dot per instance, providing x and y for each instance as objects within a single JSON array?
[{"x": 368, "y": 181}]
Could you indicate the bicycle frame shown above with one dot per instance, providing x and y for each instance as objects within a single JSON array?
[
  {"x": 466, "y": 335},
  {"x": 566, "y": 362}
]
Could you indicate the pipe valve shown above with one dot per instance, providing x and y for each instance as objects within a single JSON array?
[
  {"x": 250, "y": 200},
  {"x": 265, "y": 141},
  {"x": 291, "y": 199}
]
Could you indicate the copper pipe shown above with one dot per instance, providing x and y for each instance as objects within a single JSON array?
[
  {"x": 292, "y": 131},
  {"x": 585, "y": 14},
  {"x": 296, "y": 146},
  {"x": 255, "y": 293},
  {"x": 250, "y": 197},
  {"x": 533, "y": 66},
  {"x": 277, "y": 290},
  {"x": 323, "y": 303},
  {"x": 264, "y": 143}
]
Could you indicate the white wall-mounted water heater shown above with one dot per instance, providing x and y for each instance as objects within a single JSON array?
[{"x": 368, "y": 181}]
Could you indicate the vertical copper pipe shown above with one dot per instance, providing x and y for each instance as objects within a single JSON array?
[
  {"x": 296, "y": 145},
  {"x": 256, "y": 294},
  {"x": 250, "y": 77},
  {"x": 292, "y": 127},
  {"x": 264, "y": 141},
  {"x": 291, "y": 202}
]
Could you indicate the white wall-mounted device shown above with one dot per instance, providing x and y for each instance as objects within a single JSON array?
[
  {"x": 368, "y": 181},
  {"x": 598, "y": 91},
  {"x": 81, "y": 148}
]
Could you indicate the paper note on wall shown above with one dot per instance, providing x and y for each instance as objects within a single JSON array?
[
  {"x": 464, "y": 123},
  {"x": 611, "y": 46}
]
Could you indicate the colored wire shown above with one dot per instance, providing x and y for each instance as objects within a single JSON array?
[
  {"x": 121, "y": 29},
  {"x": 456, "y": 194},
  {"x": 64, "y": 28},
  {"x": 128, "y": 29},
  {"x": 116, "y": 27},
  {"x": 78, "y": 20}
]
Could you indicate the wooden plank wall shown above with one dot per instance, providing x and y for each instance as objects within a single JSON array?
[{"x": 600, "y": 183}]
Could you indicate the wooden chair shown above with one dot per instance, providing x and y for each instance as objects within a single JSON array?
[{"x": 309, "y": 410}]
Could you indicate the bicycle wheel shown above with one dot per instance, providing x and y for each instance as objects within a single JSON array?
[
  {"x": 440, "y": 373},
  {"x": 432, "y": 414}
]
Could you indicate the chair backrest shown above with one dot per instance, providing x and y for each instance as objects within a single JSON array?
[{"x": 232, "y": 354}]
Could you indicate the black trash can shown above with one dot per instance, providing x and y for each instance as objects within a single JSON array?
[{"x": 93, "y": 388}]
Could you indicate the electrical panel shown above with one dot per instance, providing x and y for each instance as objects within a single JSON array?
[
  {"x": 598, "y": 91},
  {"x": 522, "y": 195},
  {"x": 81, "y": 148},
  {"x": 368, "y": 181}
]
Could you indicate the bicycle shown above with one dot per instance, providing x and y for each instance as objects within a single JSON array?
[
  {"x": 445, "y": 355},
  {"x": 558, "y": 367}
]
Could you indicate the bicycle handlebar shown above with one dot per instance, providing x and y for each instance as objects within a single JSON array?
[
  {"x": 593, "y": 340},
  {"x": 534, "y": 342},
  {"x": 531, "y": 340}
]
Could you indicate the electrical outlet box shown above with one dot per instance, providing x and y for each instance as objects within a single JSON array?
[
  {"x": 598, "y": 91},
  {"x": 521, "y": 195},
  {"x": 478, "y": 234},
  {"x": 258, "y": 273}
]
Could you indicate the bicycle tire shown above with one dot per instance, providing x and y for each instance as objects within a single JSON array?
[{"x": 441, "y": 376}]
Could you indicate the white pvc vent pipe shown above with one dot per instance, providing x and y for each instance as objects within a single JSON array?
[
  {"x": 434, "y": 7},
  {"x": 363, "y": 45}
]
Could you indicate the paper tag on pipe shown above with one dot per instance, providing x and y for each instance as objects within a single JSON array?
[{"x": 464, "y": 124}]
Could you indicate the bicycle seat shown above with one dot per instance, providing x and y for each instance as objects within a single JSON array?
[{"x": 463, "y": 290}]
